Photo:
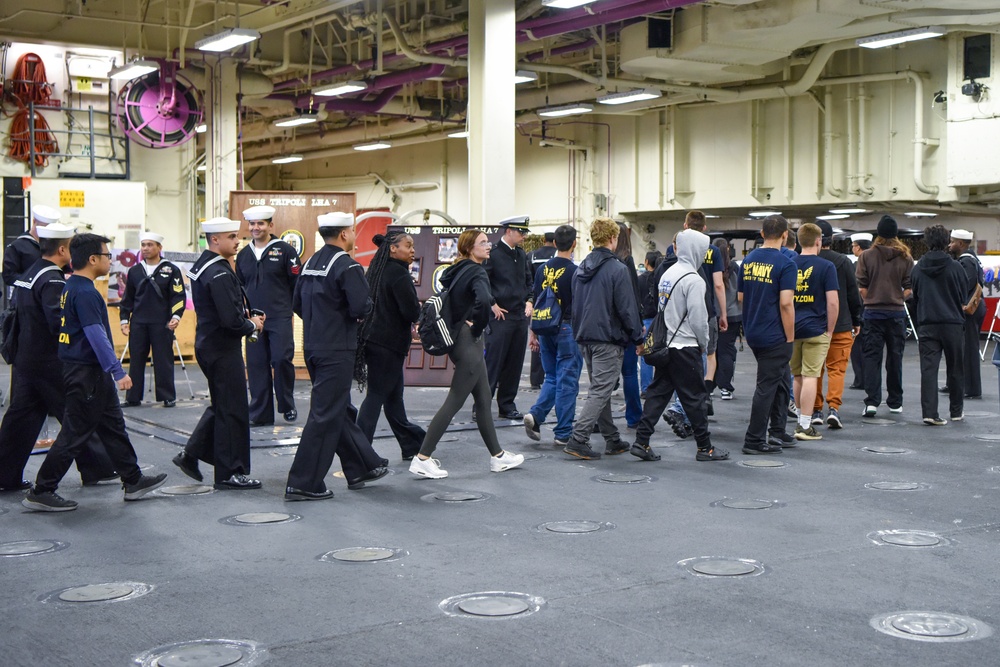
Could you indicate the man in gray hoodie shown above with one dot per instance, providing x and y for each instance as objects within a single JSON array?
[
  {"x": 605, "y": 320},
  {"x": 682, "y": 305}
]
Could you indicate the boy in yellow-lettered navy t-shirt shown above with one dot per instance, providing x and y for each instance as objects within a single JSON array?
[
  {"x": 817, "y": 306},
  {"x": 90, "y": 371},
  {"x": 766, "y": 287}
]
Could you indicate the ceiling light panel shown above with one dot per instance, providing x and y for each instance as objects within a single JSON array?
[
  {"x": 343, "y": 88},
  {"x": 227, "y": 40},
  {"x": 567, "y": 110},
  {"x": 628, "y": 96},
  {"x": 898, "y": 37},
  {"x": 372, "y": 146}
]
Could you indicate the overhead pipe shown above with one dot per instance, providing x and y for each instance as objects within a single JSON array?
[
  {"x": 391, "y": 80},
  {"x": 342, "y": 151},
  {"x": 851, "y": 155}
]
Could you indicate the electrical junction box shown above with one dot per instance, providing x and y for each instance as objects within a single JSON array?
[{"x": 88, "y": 74}]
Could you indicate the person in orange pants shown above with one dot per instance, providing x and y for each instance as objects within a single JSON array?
[{"x": 848, "y": 326}]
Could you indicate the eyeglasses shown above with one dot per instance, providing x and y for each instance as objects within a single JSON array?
[
  {"x": 485, "y": 244},
  {"x": 104, "y": 254}
]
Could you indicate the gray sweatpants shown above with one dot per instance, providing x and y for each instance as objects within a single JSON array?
[
  {"x": 604, "y": 365},
  {"x": 470, "y": 378}
]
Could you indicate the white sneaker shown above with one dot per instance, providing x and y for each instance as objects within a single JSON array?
[
  {"x": 896, "y": 411},
  {"x": 505, "y": 461},
  {"x": 531, "y": 428},
  {"x": 427, "y": 468}
]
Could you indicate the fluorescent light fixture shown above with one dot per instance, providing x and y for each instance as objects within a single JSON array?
[
  {"x": 460, "y": 134},
  {"x": 893, "y": 38},
  {"x": 372, "y": 146},
  {"x": 566, "y": 4},
  {"x": 201, "y": 167},
  {"x": 920, "y": 214},
  {"x": 833, "y": 216},
  {"x": 524, "y": 76},
  {"x": 134, "y": 69},
  {"x": 848, "y": 211},
  {"x": 286, "y": 159},
  {"x": 296, "y": 120},
  {"x": 709, "y": 215},
  {"x": 343, "y": 88},
  {"x": 202, "y": 128},
  {"x": 567, "y": 110},
  {"x": 227, "y": 40},
  {"x": 763, "y": 214},
  {"x": 637, "y": 95}
]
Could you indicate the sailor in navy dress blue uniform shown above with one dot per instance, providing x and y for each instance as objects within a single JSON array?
[
  {"x": 37, "y": 390},
  {"x": 268, "y": 268},
  {"x": 331, "y": 297},
  {"x": 150, "y": 312},
  {"x": 23, "y": 251},
  {"x": 222, "y": 436}
]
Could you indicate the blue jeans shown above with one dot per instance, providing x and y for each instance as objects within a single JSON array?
[
  {"x": 630, "y": 386},
  {"x": 645, "y": 370},
  {"x": 562, "y": 362}
]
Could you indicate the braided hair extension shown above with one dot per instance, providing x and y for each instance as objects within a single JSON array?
[{"x": 374, "y": 275}]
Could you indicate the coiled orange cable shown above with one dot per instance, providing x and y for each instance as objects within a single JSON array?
[{"x": 28, "y": 85}]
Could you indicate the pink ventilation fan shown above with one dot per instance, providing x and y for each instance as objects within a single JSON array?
[{"x": 160, "y": 109}]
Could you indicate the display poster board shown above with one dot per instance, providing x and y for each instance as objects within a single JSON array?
[
  {"x": 295, "y": 223},
  {"x": 435, "y": 249}
]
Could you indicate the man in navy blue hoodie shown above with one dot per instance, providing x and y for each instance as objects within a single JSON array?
[{"x": 606, "y": 319}]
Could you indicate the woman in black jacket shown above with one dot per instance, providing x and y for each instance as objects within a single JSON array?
[
  {"x": 470, "y": 300},
  {"x": 384, "y": 341}
]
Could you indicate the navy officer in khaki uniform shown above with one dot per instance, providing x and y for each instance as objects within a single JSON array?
[
  {"x": 150, "y": 312},
  {"x": 268, "y": 268}
]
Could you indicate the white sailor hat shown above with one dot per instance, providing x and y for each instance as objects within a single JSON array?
[
  {"x": 56, "y": 230},
  {"x": 220, "y": 225},
  {"x": 151, "y": 236},
  {"x": 336, "y": 219},
  {"x": 255, "y": 213},
  {"x": 518, "y": 222},
  {"x": 961, "y": 234},
  {"x": 45, "y": 215},
  {"x": 861, "y": 236}
]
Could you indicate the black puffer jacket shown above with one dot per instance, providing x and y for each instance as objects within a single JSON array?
[{"x": 605, "y": 309}]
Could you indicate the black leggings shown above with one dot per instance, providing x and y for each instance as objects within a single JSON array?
[{"x": 470, "y": 378}]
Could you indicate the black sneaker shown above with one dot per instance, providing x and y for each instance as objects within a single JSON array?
[
  {"x": 531, "y": 427},
  {"x": 145, "y": 484},
  {"x": 781, "y": 440},
  {"x": 616, "y": 447},
  {"x": 644, "y": 452},
  {"x": 677, "y": 424},
  {"x": 711, "y": 454},
  {"x": 763, "y": 448},
  {"x": 48, "y": 501},
  {"x": 581, "y": 451}
]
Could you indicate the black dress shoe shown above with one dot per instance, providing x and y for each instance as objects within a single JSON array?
[
  {"x": 114, "y": 477},
  {"x": 169, "y": 404},
  {"x": 256, "y": 423},
  {"x": 974, "y": 398},
  {"x": 359, "y": 483},
  {"x": 238, "y": 483},
  {"x": 944, "y": 389},
  {"x": 23, "y": 485},
  {"x": 856, "y": 386},
  {"x": 131, "y": 404},
  {"x": 515, "y": 415},
  {"x": 291, "y": 493},
  {"x": 188, "y": 466},
  {"x": 291, "y": 415}
]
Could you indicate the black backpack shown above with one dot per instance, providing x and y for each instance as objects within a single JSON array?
[
  {"x": 546, "y": 320},
  {"x": 9, "y": 332},
  {"x": 437, "y": 334}
]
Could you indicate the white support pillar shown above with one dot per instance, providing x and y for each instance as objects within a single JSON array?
[
  {"x": 491, "y": 111},
  {"x": 222, "y": 168}
]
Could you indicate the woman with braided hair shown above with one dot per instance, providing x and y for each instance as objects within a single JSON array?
[{"x": 384, "y": 341}]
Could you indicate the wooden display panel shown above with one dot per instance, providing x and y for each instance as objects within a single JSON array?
[{"x": 295, "y": 222}]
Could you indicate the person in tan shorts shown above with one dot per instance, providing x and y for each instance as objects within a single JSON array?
[{"x": 817, "y": 306}]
